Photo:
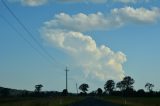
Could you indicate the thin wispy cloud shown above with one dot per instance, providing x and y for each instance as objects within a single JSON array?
[{"x": 34, "y": 2}]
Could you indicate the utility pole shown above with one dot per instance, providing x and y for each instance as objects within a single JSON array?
[
  {"x": 66, "y": 79},
  {"x": 77, "y": 88}
]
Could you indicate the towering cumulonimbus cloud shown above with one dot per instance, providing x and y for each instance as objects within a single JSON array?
[
  {"x": 66, "y": 32},
  {"x": 97, "y": 61}
]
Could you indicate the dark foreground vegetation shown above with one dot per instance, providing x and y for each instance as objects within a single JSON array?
[
  {"x": 122, "y": 93},
  {"x": 133, "y": 101},
  {"x": 72, "y": 100}
]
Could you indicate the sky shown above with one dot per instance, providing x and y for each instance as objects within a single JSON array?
[{"x": 97, "y": 40}]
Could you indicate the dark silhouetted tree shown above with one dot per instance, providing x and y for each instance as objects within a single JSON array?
[
  {"x": 126, "y": 86},
  {"x": 84, "y": 87},
  {"x": 25, "y": 93},
  {"x": 38, "y": 88},
  {"x": 128, "y": 82},
  {"x": 99, "y": 91},
  {"x": 140, "y": 92},
  {"x": 149, "y": 86},
  {"x": 5, "y": 92},
  {"x": 64, "y": 92},
  {"x": 92, "y": 93},
  {"x": 109, "y": 86},
  {"x": 120, "y": 85}
]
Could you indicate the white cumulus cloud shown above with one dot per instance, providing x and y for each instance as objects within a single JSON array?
[
  {"x": 97, "y": 61},
  {"x": 79, "y": 22},
  {"x": 99, "y": 21},
  {"x": 65, "y": 32},
  {"x": 138, "y": 15}
]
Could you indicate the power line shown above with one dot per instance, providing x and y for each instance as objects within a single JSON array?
[
  {"x": 21, "y": 35},
  {"x": 28, "y": 32},
  {"x": 26, "y": 40}
]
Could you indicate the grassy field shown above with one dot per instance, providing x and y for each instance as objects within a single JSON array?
[
  {"x": 65, "y": 101},
  {"x": 135, "y": 101},
  {"x": 56, "y": 101}
]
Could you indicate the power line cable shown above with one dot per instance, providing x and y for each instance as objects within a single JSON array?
[
  {"x": 27, "y": 41},
  {"x": 29, "y": 33},
  {"x": 21, "y": 35}
]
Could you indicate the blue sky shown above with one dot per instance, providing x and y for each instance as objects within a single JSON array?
[{"x": 96, "y": 40}]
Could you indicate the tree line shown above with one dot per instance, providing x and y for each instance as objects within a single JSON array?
[{"x": 123, "y": 88}]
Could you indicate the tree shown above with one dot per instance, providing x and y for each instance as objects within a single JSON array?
[
  {"x": 84, "y": 87},
  {"x": 109, "y": 86},
  {"x": 128, "y": 82},
  {"x": 140, "y": 92},
  {"x": 5, "y": 92},
  {"x": 92, "y": 93},
  {"x": 64, "y": 92},
  {"x": 149, "y": 86},
  {"x": 120, "y": 85},
  {"x": 99, "y": 91},
  {"x": 38, "y": 88}
]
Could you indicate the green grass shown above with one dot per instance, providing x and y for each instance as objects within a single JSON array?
[
  {"x": 135, "y": 101},
  {"x": 56, "y": 101}
]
